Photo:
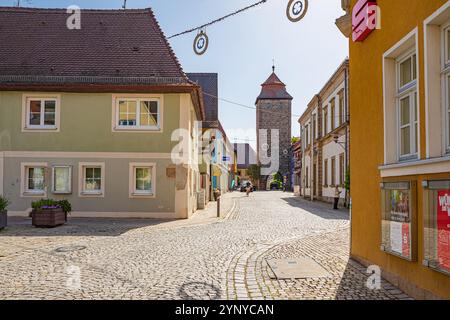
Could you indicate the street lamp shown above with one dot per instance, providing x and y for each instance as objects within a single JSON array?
[{"x": 336, "y": 140}]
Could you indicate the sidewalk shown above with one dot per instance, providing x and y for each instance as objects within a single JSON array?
[{"x": 209, "y": 214}]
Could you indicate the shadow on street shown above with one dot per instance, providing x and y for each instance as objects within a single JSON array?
[{"x": 323, "y": 210}]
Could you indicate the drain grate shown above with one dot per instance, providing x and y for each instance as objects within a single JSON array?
[{"x": 70, "y": 249}]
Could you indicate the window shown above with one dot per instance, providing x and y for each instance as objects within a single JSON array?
[
  {"x": 341, "y": 169},
  {"x": 92, "y": 179},
  {"x": 313, "y": 128},
  {"x": 138, "y": 114},
  {"x": 62, "y": 180},
  {"x": 142, "y": 180},
  {"x": 401, "y": 103},
  {"x": 342, "y": 117},
  {"x": 307, "y": 135},
  {"x": 325, "y": 121},
  {"x": 333, "y": 171},
  {"x": 325, "y": 172},
  {"x": 407, "y": 107},
  {"x": 33, "y": 179},
  {"x": 41, "y": 113},
  {"x": 333, "y": 114}
]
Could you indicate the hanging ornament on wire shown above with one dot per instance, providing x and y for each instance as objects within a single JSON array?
[
  {"x": 296, "y": 10},
  {"x": 201, "y": 43}
]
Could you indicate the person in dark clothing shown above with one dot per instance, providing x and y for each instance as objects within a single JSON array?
[{"x": 337, "y": 195}]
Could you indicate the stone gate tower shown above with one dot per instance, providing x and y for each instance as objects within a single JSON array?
[{"x": 273, "y": 111}]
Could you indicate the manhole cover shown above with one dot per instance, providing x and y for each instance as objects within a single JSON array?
[
  {"x": 70, "y": 249},
  {"x": 299, "y": 268}
]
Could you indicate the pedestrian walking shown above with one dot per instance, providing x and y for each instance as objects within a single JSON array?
[
  {"x": 337, "y": 196},
  {"x": 248, "y": 189}
]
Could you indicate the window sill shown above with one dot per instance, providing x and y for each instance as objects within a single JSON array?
[
  {"x": 91, "y": 194},
  {"x": 62, "y": 193},
  {"x": 416, "y": 167},
  {"x": 34, "y": 194},
  {"x": 135, "y": 129},
  {"x": 40, "y": 129},
  {"x": 142, "y": 195}
]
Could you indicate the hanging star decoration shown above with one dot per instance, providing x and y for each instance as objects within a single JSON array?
[{"x": 296, "y": 10}]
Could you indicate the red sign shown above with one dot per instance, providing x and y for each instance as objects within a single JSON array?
[
  {"x": 443, "y": 224},
  {"x": 364, "y": 19},
  {"x": 406, "y": 244}
]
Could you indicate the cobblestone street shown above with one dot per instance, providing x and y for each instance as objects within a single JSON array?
[{"x": 209, "y": 258}]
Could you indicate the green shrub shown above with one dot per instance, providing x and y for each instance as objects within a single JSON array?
[
  {"x": 65, "y": 205},
  {"x": 3, "y": 203},
  {"x": 52, "y": 204}
]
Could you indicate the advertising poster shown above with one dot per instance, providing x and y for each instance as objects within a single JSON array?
[
  {"x": 400, "y": 223},
  {"x": 443, "y": 224}
]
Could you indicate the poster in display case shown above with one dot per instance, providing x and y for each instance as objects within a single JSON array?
[
  {"x": 398, "y": 219},
  {"x": 437, "y": 225}
]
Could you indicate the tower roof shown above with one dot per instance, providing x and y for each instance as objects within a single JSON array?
[{"x": 273, "y": 89}]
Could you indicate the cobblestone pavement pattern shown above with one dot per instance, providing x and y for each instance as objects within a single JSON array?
[{"x": 203, "y": 258}]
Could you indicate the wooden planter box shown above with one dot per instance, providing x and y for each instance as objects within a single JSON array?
[
  {"x": 48, "y": 218},
  {"x": 3, "y": 219}
]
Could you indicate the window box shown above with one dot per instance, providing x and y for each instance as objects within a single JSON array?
[
  {"x": 398, "y": 224},
  {"x": 437, "y": 225}
]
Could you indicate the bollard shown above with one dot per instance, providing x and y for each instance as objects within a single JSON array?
[{"x": 218, "y": 207}]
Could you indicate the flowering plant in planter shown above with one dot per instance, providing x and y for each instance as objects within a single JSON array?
[
  {"x": 3, "y": 212},
  {"x": 50, "y": 213}
]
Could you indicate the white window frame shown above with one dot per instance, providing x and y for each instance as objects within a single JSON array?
[
  {"x": 138, "y": 99},
  {"x": 391, "y": 94},
  {"x": 81, "y": 179},
  {"x": 133, "y": 193},
  {"x": 445, "y": 74},
  {"x": 24, "y": 191},
  {"x": 54, "y": 191},
  {"x": 408, "y": 90},
  {"x": 26, "y": 99}
]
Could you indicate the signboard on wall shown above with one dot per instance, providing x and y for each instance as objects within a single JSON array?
[
  {"x": 443, "y": 224},
  {"x": 364, "y": 19},
  {"x": 400, "y": 219}
]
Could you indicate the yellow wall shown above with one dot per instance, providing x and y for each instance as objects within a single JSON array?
[{"x": 398, "y": 18}]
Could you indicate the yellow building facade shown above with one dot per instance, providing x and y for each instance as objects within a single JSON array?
[{"x": 400, "y": 144}]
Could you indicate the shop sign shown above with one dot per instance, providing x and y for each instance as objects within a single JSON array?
[
  {"x": 443, "y": 224},
  {"x": 364, "y": 19}
]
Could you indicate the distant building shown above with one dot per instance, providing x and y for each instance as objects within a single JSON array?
[
  {"x": 325, "y": 140},
  {"x": 246, "y": 157},
  {"x": 219, "y": 174},
  {"x": 297, "y": 167},
  {"x": 273, "y": 112}
]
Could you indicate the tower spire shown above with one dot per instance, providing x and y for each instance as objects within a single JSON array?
[{"x": 273, "y": 65}]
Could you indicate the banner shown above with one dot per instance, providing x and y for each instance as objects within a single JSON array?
[{"x": 443, "y": 225}]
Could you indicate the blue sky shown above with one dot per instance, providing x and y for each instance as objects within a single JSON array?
[{"x": 242, "y": 48}]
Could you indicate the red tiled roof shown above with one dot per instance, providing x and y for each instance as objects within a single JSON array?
[
  {"x": 111, "y": 43},
  {"x": 273, "y": 89}
]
